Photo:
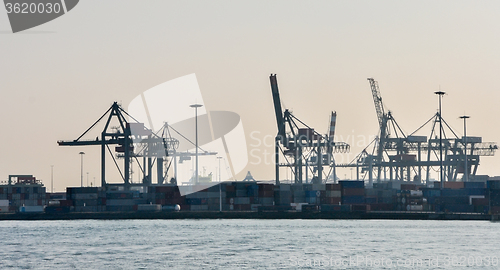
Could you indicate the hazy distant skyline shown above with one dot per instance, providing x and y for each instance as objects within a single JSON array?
[{"x": 58, "y": 78}]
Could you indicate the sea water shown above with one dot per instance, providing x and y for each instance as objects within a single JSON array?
[{"x": 249, "y": 244}]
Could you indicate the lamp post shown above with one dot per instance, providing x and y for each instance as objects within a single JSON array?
[
  {"x": 81, "y": 168},
  {"x": 196, "y": 106},
  {"x": 441, "y": 177},
  {"x": 466, "y": 172}
]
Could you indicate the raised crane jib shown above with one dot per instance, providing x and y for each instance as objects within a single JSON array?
[
  {"x": 377, "y": 100},
  {"x": 277, "y": 106}
]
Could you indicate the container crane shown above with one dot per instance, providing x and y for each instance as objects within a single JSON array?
[{"x": 300, "y": 145}]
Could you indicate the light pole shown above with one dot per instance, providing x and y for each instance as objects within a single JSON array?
[
  {"x": 51, "y": 178},
  {"x": 196, "y": 106},
  {"x": 87, "y": 179},
  {"x": 441, "y": 178},
  {"x": 466, "y": 172},
  {"x": 81, "y": 168}
]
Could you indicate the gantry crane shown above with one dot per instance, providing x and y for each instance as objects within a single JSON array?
[
  {"x": 405, "y": 157},
  {"x": 301, "y": 146}
]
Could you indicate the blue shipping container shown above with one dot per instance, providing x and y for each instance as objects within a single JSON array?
[
  {"x": 352, "y": 184},
  {"x": 476, "y": 191},
  {"x": 474, "y": 184},
  {"x": 459, "y": 208},
  {"x": 353, "y": 200}
]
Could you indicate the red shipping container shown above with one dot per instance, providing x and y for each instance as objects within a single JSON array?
[
  {"x": 266, "y": 194},
  {"x": 495, "y": 210},
  {"x": 66, "y": 203},
  {"x": 480, "y": 201},
  {"x": 353, "y": 192},
  {"x": 333, "y": 187},
  {"x": 454, "y": 185},
  {"x": 330, "y": 200}
]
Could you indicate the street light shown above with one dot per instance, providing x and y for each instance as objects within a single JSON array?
[
  {"x": 81, "y": 168},
  {"x": 441, "y": 178},
  {"x": 196, "y": 106},
  {"x": 466, "y": 172}
]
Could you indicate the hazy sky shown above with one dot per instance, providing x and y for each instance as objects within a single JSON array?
[{"x": 58, "y": 78}]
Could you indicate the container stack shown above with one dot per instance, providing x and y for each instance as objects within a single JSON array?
[
  {"x": 298, "y": 193},
  {"x": 166, "y": 195},
  {"x": 123, "y": 201},
  {"x": 494, "y": 195},
  {"x": 283, "y": 194},
  {"x": 4, "y": 206},
  {"x": 266, "y": 194},
  {"x": 333, "y": 194},
  {"x": 23, "y": 195},
  {"x": 85, "y": 199},
  {"x": 353, "y": 192}
]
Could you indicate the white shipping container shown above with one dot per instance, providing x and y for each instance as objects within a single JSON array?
[
  {"x": 333, "y": 193},
  {"x": 415, "y": 208},
  {"x": 416, "y": 193},
  {"x": 4, "y": 202},
  {"x": 318, "y": 187},
  {"x": 4, "y": 209},
  {"x": 31, "y": 209}
]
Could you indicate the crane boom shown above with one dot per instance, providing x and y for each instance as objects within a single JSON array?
[
  {"x": 377, "y": 100},
  {"x": 277, "y": 106}
]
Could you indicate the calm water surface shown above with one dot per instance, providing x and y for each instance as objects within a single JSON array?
[{"x": 249, "y": 244}]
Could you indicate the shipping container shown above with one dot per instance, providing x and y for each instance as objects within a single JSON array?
[
  {"x": 353, "y": 192},
  {"x": 458, "y": 208},
  {"x": 454, "y": 185},
  {"x": 382, "y": 207},
  {"x": 352, "y": 184},
  {"x": 333, "y": 187},
  {"x": 242, "y": 200},
  {"x": 119, "y": 195},
  {"x": 149, "y": 207},
  {"x": 353, "y": 200},
  {"x": 480, "y": 202},
  {"x": 333, "y": 193},
  {"x": 31, "y": 209},
  {"x": 57, "y": 209},
  {"x": 4, "y": 203},
  {"x": 493, "y": 184},
  {"x": 335, "y": 208},
  {"x": 117, "y": 202},
  {"x": 474, "y": 185},
  {"x": 119, "y": 208},
  {"x": 414, "y": 208},
  {"x": 327, "y": 200}
]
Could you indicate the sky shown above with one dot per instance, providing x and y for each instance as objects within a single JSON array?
[{"x": 58, "y": 78}]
